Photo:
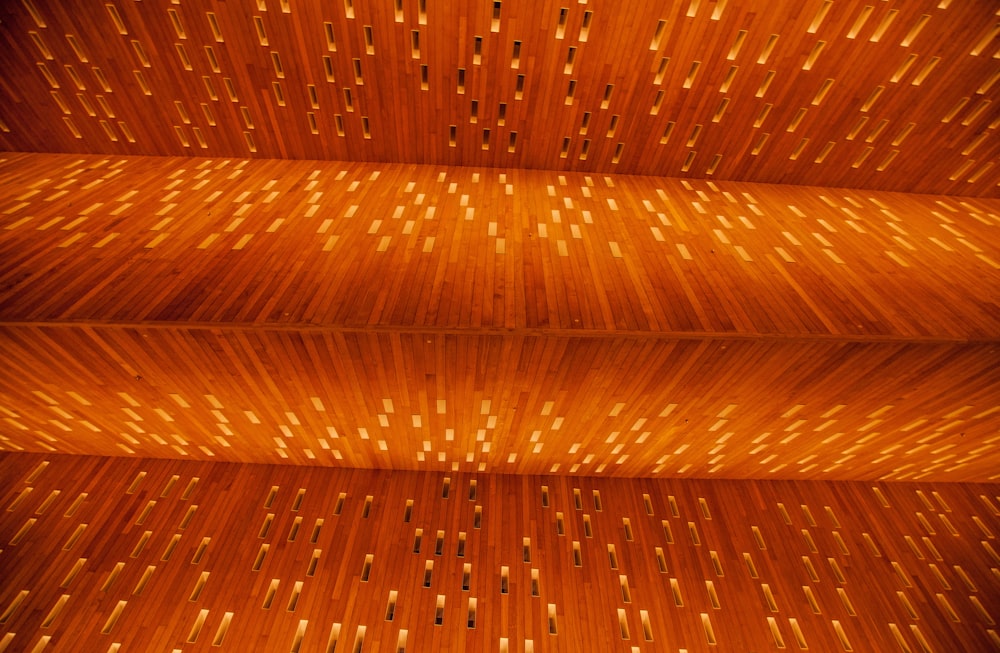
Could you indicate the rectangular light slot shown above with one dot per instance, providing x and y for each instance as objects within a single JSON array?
[
  {"x": 366, "y": 568},
  {"x": 612, "y": 128},
  {"x": 261, "y": 554},
  {"x": 272, "y": 589},
  {"x": 220, "y": 632},
  {"x": 293, "y": 532},
  {"x": 860, "y": 21},
  {"x": 813, "y": 55},
  {"x": 819, "y": 17},
  {"x": 693, "y": 530},
  {"x": 200, "y": 551},
  {"x": 535, "y": 583},
  {"x": 769, "y": 597},
  {"x": 470, "y": 618},
  {"x": 692, "y": 72},
  {"x": 658, "y": 35},
  {"x": 765, "y": 54},
  {"x": 13, "y": 606},
  {"x": 199, "y": 623},
  {"x": 706, "y": 623},
  {"x": 188, "y": 516},
  {"x": 369, "y": 40},
  {"x": 585, "y": 26},
  {"x": 811, "y": 599},
  {"x": 553, "y": 625},
  {"x": 884, "y": 25},
  {"x": 623, "y": 624},
  {"x": 300, "y": 631},
  {"x": 842, "y": 636},
  {"x": 428, "y": 572},
  {"x": 724, "y": 88},
  {"x": 439, "y": 610},
  {"x": 915, "y": 30},
  {"x": 675, "y": 590},
  {"x": 113, "y": 617},
  {"x": 779, "y": 641},
  {"x": 647, "y": 628},
  {"x": 810, "y": 569},
  {"x": 607, "y": 95},
  {"x": 765, "y": 84},
  {"x": 495, "y": 23},
  {"x": 737, "y": 44},
  {"x": 751, "y": 567},
  {"x": 214, "y": 24},
  {"x": 922, "y": 75},
  {"x": 293, "y": 599},
  {"x": 71, "y": 576}
]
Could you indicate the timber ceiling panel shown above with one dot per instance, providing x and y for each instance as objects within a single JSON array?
[
  {"x": 887, "y": 95},
  {"x": 143, "y": 555},
  {"x": 456, "y": 319}
]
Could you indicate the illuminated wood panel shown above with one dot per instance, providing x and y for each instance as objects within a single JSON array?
[
  {"x": 888, "y": 95},
  {"x": 379, "y": 245},
  {"x": 623, "y": 406},
  {"x": 393, "y": 316},
  {"x": 106, "y": 554}
]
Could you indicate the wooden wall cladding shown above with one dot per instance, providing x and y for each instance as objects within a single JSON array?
[
  {"x": 377, "y": 315},
  {"x": 887, "y": 95},
  {"x": 127, "y": 555}
]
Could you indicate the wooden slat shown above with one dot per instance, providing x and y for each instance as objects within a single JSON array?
[
  {"x": 847, "y": 94},
  {"x": 814, "y": 565}
]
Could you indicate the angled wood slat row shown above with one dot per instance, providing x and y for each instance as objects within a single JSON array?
[
  {"x": 888, "y": 95},
  {"x": 107, "y": 554}
]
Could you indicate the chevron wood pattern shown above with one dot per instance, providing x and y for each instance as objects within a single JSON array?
[{"x": 824, "y": 92}]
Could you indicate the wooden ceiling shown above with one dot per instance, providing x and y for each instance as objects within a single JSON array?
[
  {"x": 883, "y": 95},
  {"x": 509, "y": 236},
  {"x": 457, "y": 319}
]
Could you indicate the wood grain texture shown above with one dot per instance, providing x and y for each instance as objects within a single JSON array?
[
  {"x": 370, "y": 245},
  {"x": 889, "y": 95},
  {"x": 405, "y": 317},
  {"x": 175, "y": 548},
  {"x": 615, "y": 406}
]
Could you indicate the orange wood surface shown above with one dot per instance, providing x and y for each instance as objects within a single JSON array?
[
  {"x": 389, "y": 316},
  {"x": 765, "y": 565},
  {"x": 145, "y": 239},
  {"x": 888, "y": 95}
]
